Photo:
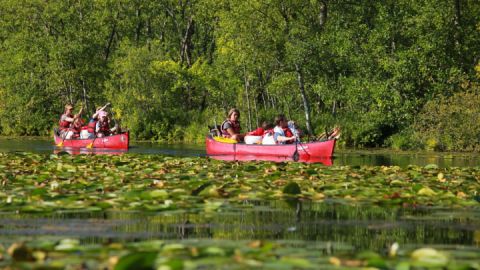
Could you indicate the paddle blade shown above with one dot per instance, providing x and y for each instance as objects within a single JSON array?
[
  {"x": 296, "y": 156},
  {"x": 60, "y": 144},
  {"x": 90, "y": 145}
]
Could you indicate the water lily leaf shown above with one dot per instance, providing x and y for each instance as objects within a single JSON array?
[
  {"x": 67, "y": 244},
  {"x": 403, "y": 266},
  {"x": 397, "y": 183},
  {"x": 214, "y": 251},
  {"x": 426, "y": 191},
  {"x": 429, "y": 257},
  {"x": 20, "y": 252},
  {"x": 199, "y": 189},
  {"x": 212, "y": 205},
  {"x": 250, "y": 168},
  {"x": 159, "y": 194},
  {"x": 172, "y": 264},
  {"x": 431, "y": 166},
  {"x": 137, "y": 260},
  {"x": 173, "y": 247},
  {"x": 292, "y": 188},
  {"x": 296, "y": 262}
]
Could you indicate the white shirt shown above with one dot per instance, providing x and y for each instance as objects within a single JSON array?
[{"x": 278, "y": 131}]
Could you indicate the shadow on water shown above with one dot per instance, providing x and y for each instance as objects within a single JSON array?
[{"x": 346, "y": 226}]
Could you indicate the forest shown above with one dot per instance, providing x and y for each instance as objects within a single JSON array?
[{"x": 394, "y": 73}]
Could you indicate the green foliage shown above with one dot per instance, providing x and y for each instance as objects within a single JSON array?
[
  {"x": 369, "y": 66},
  {"x": 405, "y": 140},
  {"x": 450, "y": 123}
]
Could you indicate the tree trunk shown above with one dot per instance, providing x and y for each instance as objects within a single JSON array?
[
  {"x": 138, "y": 29},
  {"x": 287, "y": 107},
  {"x": 186, "y": 46},
  {"x": 246, "y": 83},
  {"x": 262, "y": 88},
  {"x": 255, "y": 108},
  {"x": 457, "y": 36},
  {"x": 306, "y": 106},
  {"x": 110, "y": 41},
  {"x": 85, "y": 100},
  {"x": 322, "y": 16}
]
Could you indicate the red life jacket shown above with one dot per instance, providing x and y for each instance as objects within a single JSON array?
[
  {"x": 77, "y": 126},
  {"x": 64, "y": 124},
  {"x": 91, "y": 126},
  {"x": 104, "y": 128},
  {"x": 235, "y": 126},
  {"x": 257, "y": 132},
  {"x": 288, "y": 133}
]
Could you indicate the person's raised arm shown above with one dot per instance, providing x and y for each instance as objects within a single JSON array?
[
  {"x": 104, "y": 107},
  {"x": 99, "y": 110},
  {"x": 79, "y": 113}
]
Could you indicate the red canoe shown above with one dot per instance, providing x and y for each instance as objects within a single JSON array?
[
  {"x": 118, "y": 141},
  {"x": 306, "y": 151}
]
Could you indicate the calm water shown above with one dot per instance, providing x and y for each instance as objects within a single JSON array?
[
  {"x": 344, "y": 227},
  {"x": 350, "y": 157}
]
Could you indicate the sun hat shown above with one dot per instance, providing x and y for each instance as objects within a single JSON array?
[{"x": 68, "y": 106}]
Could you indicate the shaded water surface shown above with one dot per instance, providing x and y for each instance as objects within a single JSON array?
[
  {"x": 339, "y": 226},
  {"x": 351, "y": 157}
]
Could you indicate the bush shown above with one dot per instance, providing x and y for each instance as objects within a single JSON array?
[
  {"x": 404, "y": 140},
  {"x": 450, "y": 123}
]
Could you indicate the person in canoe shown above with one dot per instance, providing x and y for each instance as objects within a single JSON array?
[
  {"x": 76, "y": 127},
  {"x": 260, "y": 131},
  {"x": 88, "y": 131},
  {"x": 281, "y": 133},
  {"x": 66, "y": 122},
  {"x": 102, "y": 127},
  {"x": 230, "y": 128},
  {"x": 295, "y": 130},
  {"x": 256, "y": 136}
]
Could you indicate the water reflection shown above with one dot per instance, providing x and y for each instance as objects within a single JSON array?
[
  {"x": 323, "y": 160},
  {"x": 383, "y": 157},
  {"x": 357, "y": 227},
  {"x": 87, "y": 151},
  {"x": 374, "y": 157}
]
